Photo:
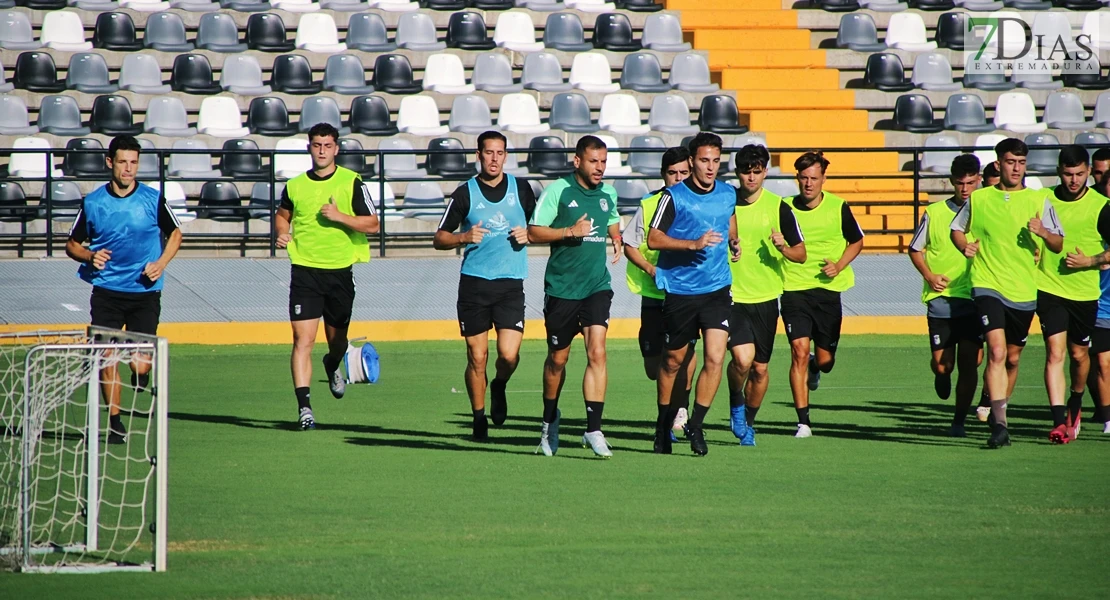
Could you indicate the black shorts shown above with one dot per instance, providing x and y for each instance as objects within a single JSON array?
[
  {"x": 946, "y": 333},
  {"x": 486, "y": 303},
  {"x": 684, "y": 317},
  {"x": 1076, "y": 317},
  {"x": 815, "y": 314},
  {"x": 993, "y": 314},
  {"x": 652, "y": 330},
  {"x": 137, "y": 312},
  {"x": 565, "y": 318},
  {"x": 1100, "y": 341},
  {"x": 754, "y": 324},
  {"x": 315, "y": 293}
]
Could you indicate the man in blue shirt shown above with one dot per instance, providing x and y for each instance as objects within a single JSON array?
[
  {"x": 124, "y": 223},
  {"x": 493, "y": 210},
  {"x": 692, "y": 220}
]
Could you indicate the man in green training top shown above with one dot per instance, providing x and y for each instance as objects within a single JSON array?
[
  {"x": 1067, "y": 298},
  {"x": 573, "y": 215},
  {"x": 955, "y": 335},
  {"x": 1005, "y": 222},
  {"x": 323, "y": 220}
]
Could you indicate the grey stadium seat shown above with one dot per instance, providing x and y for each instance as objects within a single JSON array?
[
  {"x": 1064, "y": 110},
  {"x": 193, "y": 166},
  {"x": 1102, "y": 110},
  {"x": 1042, "y": 159},
  {"x": 321, "y": 110},
  {"x": 141, "y": 74},
  {"x": 400, "y": 165},
  {"x": 646, "y": 163},
  {"x": 217, "y": 32},
  {"x": 966, "y": 113},
  {"x": 1037, "y": 81},
  {"x": 416, "y": 31},
  {"x": 60, "y": 115},
  {"x": 367, "y": 32},
  {"x": 166, "y": 32},
  {"x": 88, "y": 73},
  {"x": 988, "y": 82},
  {"x": 563, "y": 31},
  {"x": 148, "y": 161},
  {"x": 493, "y": 73},
  {"x": 65, "y": 199},
  {"x": 857, "y": 32},
  {"x": 542, "y": 72},
  {"x": 663, "y": 32},
  {"x": 470, "y": 114},
  {"x": 571, "y": 112},
  {"x": 690, "y": 73},
  {"x": 16, "y": 34},
  {"x": 1092, "y": 138},
  {"x": 13, "y": 116},
  {"x": 166, "y": 116},
  {"x": 671, "y": 114},
  {"x": 424, "y": 201},
  {"x": 940, "y": 161},
  {"x": 642, "y": 73},
  {"x": 241, "y": 74},
  {"x": 344, "y": 74},
  {"x": 932, "y": 71}
]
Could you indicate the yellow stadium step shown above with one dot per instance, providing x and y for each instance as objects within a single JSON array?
[
  {"x": 900, "y": 221},
  {"x": 780, "y": 79},
  {"x": 834, "y": 139},
  {"x": 853, "y": 163},
  {"x": 876, "y": 242},
  {"x": 887, "y": 197},
  {"x": 870, "y": 222},
  {"x": 807, "y": 120},
  {"x": 773, "y": 59},
  {"x": 847, "y": 187},
  {"x": 797, "y": 99},
  {"x": 891, "y": 210},
  {"x": 731, "y": 19},
  {"x": 746, "y": 5},
  {"x": 751, "y": 39}
]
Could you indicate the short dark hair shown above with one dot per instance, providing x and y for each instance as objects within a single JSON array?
[
  {"x": 991, "y": 170},
  {"x": 588, "y": 142},
  {"x": 1073, "y": 156},
  {"x": 1011, "y": 146},
  {"x": 964, "y": 165},
  {"x": 123, "y": 142},
  {"x": 813, "y": 157},
  {"x": 673, "y": 156},
  {"x": 751, "y": 156},
  {"x": 491, "y": 135},
  {"x": 703, "y": 139},
  {"x": 323, "y": 130},
  {"x": 1100, "y": 155}
]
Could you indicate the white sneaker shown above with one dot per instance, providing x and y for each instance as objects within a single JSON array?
[
  {"x": 680, "y": 420},
  {"x": 549, "y": 437},
  {"x": 305, "y": 420},
  {"x": 596, "y": 441},
  {"x": 336, "y": 384},
  {"x": 803, "y": 431},
  {"x": 1106, "y": 427},
  {"x": 983, "y": 413}
]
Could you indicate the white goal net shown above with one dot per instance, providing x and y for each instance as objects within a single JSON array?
[{"x": 83, "y": 451}]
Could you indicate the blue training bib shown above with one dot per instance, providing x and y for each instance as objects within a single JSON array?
[
  {"x": 128, "y": 227},
  {"x": 497, "y": 257},
  {"x": 706, "y": 270}
]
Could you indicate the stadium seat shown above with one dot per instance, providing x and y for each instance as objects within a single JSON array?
[
  {"x": 515, "y": 31},
  {"x": 35, "y": 72},
  {"x": 60, "y": 115},
  {"x": 1036, "y": 81},
  {"x": 424, "y": 201},
  {"x": 165, "y": 32},
  {"x": 493, "y": 73},
  {"x": 1012, "y": 30},
  {"x": 288, "y": 166},
  {"x": 316, "y": 32},
  {"x": 145, "y": 5},
  {"x": 646, "y": 163},
  {"x": 739, "y": 141},
  {"x": 296, "y": 6},
  {"x": 719, "y": 114},
  {"x": 394, "y": 5},
  {"x": 31, "y": 165},
  {"x": 13, "y": 204},
  {"x": 62, "y": 30},
  {"x": 1102, "y": 111},
  {"x": 1088, "y": 139},
  {"x": 242, "y": 75},
  {"x": 639, "y": 5},
  {"x": 417, "y": 32},
  {"x": 932, "y": 72},
  {"x": 470, "y": 114},
  {"x": 552, "y": 164},
  {"x": 914, "y": 113},
  {"x": 344, "y": 5},
  {"x": 1052, "y": 31},
  {"x": 385, "y": 202},
  {"x": 84, "y": 164},
  {"x": 13, "y": 117},
  {"x": 857, "y": 32},
  {"x": 642, "y": 73},
  {"x": 111, "y": 115},
  {"x": 541, "y": 6},
  {"x": 350, "y": 156},
  {"x": 344, "y": 74},
  {"x": 261, "y": 205},
  {"x": 690, "y": 73},
  {"x": 5, "y": 85},
  {"x": 939, "y": 161},
  {"x": 838, "y": 5},
  {"x": 571, "y": 112},
  {"x": 217, "y": 32},
  {"x": 321, "y": 109},
  {"x": 150, "y": 163},
  {"x": 115, "y": 31},
  {"x": 242, "y": 165},
  {"x": 620, "y": 113},
  {"x": 219, "y": 117},
  {"x": 613, "y": 32},
  {"x": 173, "y": 193},
  {"x": 1015, "y": 112},
  {"x": 590, "y": 6},
  {"x": 292, "y": 74},
  {"x": 614, "y": 165},
  {"x": 393, "y": 74},
  {"x": 141, "y": 74},
  {"x": 444, "y": 74},
  {"x": 400, "y": 165},
  {"x": 444, "y": 5},
  {"x": 452, "y": 164},
  {"x": 192, "y": 166},
  {"x": 1064, "y": 110},
  {"x": 492, "y": 4},
  {"x": 370, "y": 116},
  {"x": 982, "y": 5},
  {"x": 192, "y": 74},
  {"x": 167, "y": 117},
  {"x": 65, "y": 199},
  {"x": 88, "y": 73},
  {"x": 1090, "y": 78},
  {"x": 885, "y": 71},
  {"x": 367, "y": 32},
  {"x": 671, "y": 114},
  {"x": 662, "y": 32},
  {"x": 467, "y": 30},
  {"x": 1027, "y": 4},
  {"x": 629, "y": 194},
  {"x": 220, "y": 201},
  {"x": 906, "y": 31},
  {"x": 543, "y": 73},
  {"x": 1096, "y": 25},
  {"x": 965, "y": 113},
  {"x": 563, "y": 31},
  {"x": 590, "y": 72},
  {"x": 245, "y": 6},
  {"x": 519, "y": 113},
  {"x": 934, "y": 4},
  {"x": 884, "y": 5},
  {"x": 39, "y": 4},
  {"x": 1042, "y": 159},
  {"x": 988, "y": 82},
  {"x": 950, "y": 30},
  {"x": 419, "y": 115},
  {"x": 197, "y": 6},
  {"x": 266, "y": 32}
]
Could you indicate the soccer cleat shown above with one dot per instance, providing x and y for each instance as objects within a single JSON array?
[
  {"x": 117, "y": 433},
  {"x": 1073, "y": 425},
  {"x": 306, "y": 421},
  {"x": 335, "y": 380},
  {"x": 481, "y": 428},
  {"x": 1106, "y": 427},
  {"x": 739, "y": 421},
  {"x": 942, "y": 385},
  {"x": 1000, "y": 436},
  {"x": 595, "y": 440},
  {"x": 983, "y": 413},
  {"x": 957, "y": 431},
  {"x": 498, "y": 408},
  {"x": 679, "y": 426},
  {"x": 697, "y": 441},
  {"x": 749, "y": 437},
  {"x": 549, "y": 437},
  {"x": 663, "y": 441},
  {"x": 1059, "y": 435},
  {"x": 814, "y": 374},
  {"x": 803, "y": 431}
]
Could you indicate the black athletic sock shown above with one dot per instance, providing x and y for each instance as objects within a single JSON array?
[
  {"x": 803, "y": 415},
  {"x": 698, "y": 416},
  {"x": 302, "y": 397},
  {"x": 1059, "y": 415},
  {"x": 1075, "y": 404},
  {"x": 116, "y": 422},
  {"x": 479, "y": 414},
  {"x": 749, "y": 414},
  {"x": 1100, "y": 414},
  {"x": 550, "y": 407},
  {"x": 998, "y": 411},
  {"x": 736, "y": 398},
  {"x": 984, "y": 399},
  {"x": 680, "y": 398},
  {"x": 664, "y": 418},
  {"x": 593, "y": 415},
  {"x": 331, "y": 363},
  {"x": 960, "y": 415}
]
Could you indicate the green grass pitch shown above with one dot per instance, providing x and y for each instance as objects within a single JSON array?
[{"x": 389, "y": 498}]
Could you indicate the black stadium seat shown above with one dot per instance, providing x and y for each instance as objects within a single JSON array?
[
  {"x": 192, "y": 74},
  {"x": 719, "y": 114},
  {"x": 885, "y": 71},
  {"x": 42, "y": 4},
  {"x": 838, "y": 5},
  {"x": 293, "y": 75},
  {"x": 115, "y": 31},
  {"x": 467, "y": 30},
  {"x": 111, "y": 115},
  {"x": 448, "y": 164},
  {"x": 220, "y": 201},
  {"x": 349, "y": 160},
  {"x": 639, "y": 5},
  {"x": 246, "y": 166},
  {"x": 266, "y": 32},
  {"x": 933, "y": 4},
  {"x": 950, "y": 30},
  {"x": 36, "y": 72},
  {"x": 13, "y": 204},
  {"x": 370, "y": 116},
  {"x": 492, "y": 4},
  {"x": 443, "y": 4},
  {"x": 269, "y": 116},
  {"x": 548, "y": 163},
  {"x": 914, "y": 113},
  {"x": 613, "y": 32},
  {"x": 84, "y": 164},
  {"x": 393, "y": 74}
]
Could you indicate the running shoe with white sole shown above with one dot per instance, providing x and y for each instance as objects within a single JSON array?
[
  {"x": 814, "y": 379},
  {"x": 595, "y": 440},
  {"x": 680, "y": 419},
  {"x": 549, "y": 437},
  {"x": 336, "y": 384},
  {"x": 1073, "y": 425},
  {"x": 1106, "y": 427},
  {"x": 803, "y": 431},
  {"x": 305, "y": 420}
]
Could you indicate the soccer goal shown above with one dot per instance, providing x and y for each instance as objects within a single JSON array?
[{"x": 75, "y": 494}]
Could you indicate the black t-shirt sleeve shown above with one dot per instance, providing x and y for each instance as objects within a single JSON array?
[
  {"x": 361, "y": 203},
  {"x": 458, "y": 206},
  {"x": 664, "y": 213},
  {"x": 789, "y": 224},
  {"x": 849, "y": 227},
  {"x": 527, "y": 199},
  {"x": 285, "y": 202},
  {"x": 167, "y": 221},
  {"x": 79, "y": 231},
  {"x": 1104, "y": 224}
]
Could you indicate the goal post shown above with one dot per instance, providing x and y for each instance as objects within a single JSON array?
[{"x": 75, "y": 494}]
